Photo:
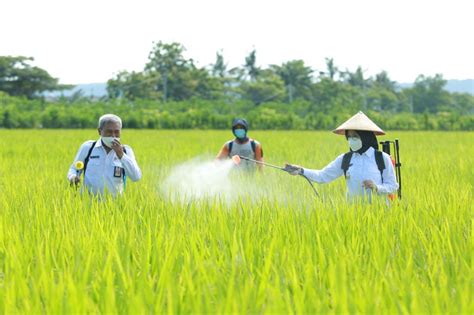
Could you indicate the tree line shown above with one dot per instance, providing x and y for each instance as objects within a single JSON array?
[
  {"x": 172, "y": 92},
  {"x": 16, "y": 112}
]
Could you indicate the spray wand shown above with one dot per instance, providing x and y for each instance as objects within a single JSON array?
[{"x": 237, "y": 159}]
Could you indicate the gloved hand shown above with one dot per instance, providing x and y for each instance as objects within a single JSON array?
[
  {"x": 294, "y": 169},
  {"x": 74, "y": 180},
  {"x": 369, "y": 184}
]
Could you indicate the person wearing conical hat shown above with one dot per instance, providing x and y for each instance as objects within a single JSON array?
[{"x": 367, "y": 170}]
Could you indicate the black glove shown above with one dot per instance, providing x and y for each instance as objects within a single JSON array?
[{"x": 294, "y": 169}]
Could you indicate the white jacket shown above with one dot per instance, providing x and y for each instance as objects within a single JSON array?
[
  {"x": 362, "y": 167},
  {"x": 103, "y": 171}
]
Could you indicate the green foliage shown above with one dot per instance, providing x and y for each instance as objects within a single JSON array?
[
  {"x": 357, "y": 78},
  {"x": 297, "y": 78},
  {"x": 251, "y": 67},
  {"x": 219, "y": 68},
  {"x": 331, "y": 97},
  {"x": 428, "y": 95},
  {"x": 383, "y": 81},
  {"x": 266, "y": 87},
  {"x": 133, "y": 86},
  {"x": 172, "y": 92},
  {"x": 382, "y": 99},
  {"x": 332, "y": 70},
  {"x": 168, "y": 75},
  {"x": 198, "y": 113},
  {"x": 19, "y": 78}
]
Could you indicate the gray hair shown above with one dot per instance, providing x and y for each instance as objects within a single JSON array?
[{"x": 109, "y": 118}]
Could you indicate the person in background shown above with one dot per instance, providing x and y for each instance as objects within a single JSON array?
[{"x": 243, "y": 146}]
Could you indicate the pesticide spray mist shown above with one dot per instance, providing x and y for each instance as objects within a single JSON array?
[
  {"x": 199, "y": 179},
  {"x": 222, "y": 181}
]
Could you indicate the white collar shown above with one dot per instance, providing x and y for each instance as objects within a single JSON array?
[
  {"x": 98, "y": 143},
  {"x": 369, "y": 152}
]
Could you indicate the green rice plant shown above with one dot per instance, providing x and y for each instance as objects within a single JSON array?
[{"x": 274, "y": 249}]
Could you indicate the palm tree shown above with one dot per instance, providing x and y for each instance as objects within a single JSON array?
[
  {"x": 250, "y": 65},
  {"x": 219, "y": 68},
  {"x": 296, "y": 76},
  {"x": 331, "y": 68},
  {"x": 384, "y": 81}
]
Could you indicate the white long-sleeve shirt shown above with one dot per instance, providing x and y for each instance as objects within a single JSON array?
[
  {"x": 362, "y": 167},
  {"x": 103, "y": 171}
]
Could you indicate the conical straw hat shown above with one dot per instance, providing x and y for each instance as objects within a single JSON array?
[{"x": 359, "y": 122}]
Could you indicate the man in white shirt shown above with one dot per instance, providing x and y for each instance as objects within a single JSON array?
[{"x": 107, "y": 163}]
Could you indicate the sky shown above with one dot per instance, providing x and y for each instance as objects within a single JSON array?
[{"x": 90, "y": 41}]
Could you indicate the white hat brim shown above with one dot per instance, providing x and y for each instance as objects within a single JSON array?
[{"x": 359, "y": 122}]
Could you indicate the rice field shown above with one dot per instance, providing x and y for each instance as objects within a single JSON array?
[{"x": 275, "y": 248}]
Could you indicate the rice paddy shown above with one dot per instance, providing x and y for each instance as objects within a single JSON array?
[{"x": 275, "y": 248}]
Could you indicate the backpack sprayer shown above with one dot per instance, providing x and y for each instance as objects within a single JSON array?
[
  {"x": 386, "y": 146},
  {"x": 237, "y": 158}
]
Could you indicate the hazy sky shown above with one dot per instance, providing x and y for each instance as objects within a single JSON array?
[{"x": 89, "y": 41}]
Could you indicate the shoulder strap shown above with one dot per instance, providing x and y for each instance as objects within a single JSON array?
[
  {"x": 123, "y": 170},
  {"x": 229, "y": 146},
  {"x": 253, "y": 145},
  {"x": 86, "y": 160},
  {"x": 380, "y": 162},
  {"x": 346, "y": 159}
]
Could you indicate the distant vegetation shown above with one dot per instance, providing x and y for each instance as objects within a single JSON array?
[{"x": 172, "y": 92}]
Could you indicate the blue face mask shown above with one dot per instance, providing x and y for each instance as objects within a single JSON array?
[{"x": 240, "y": 133}]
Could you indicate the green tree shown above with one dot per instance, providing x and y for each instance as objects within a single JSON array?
[
  {"x": 331, "y": 96},
  {"x": 428, "y": 94},
  {"x": 382, "y": 80},
  {"x": 382, "y": 99},
  {"x": 250, "y": 66},
  {"x": 463, "y": 103},
  {"x": 267, "y": 87},
  {"x": 203, "y": 85},
  {"x": 227, "y": 78},
  {"x": 178, "y": 78},
  {"x": 297, "y": 78},
  {"x": 19, "y": 78},
  {"x": 166, "y": 60},
  {"x": 133, "y": 85},
  {"x": 357, "y": 78},
  {"x": 219, "y": 68},
  {"x": 332, "y": 70},
  {"x": 382, "y": 95}
]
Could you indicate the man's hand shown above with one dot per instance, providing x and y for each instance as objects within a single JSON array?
[
  {"x": 118, "y": 148},
  {"x": 369, "y": 184},
  {"x": 74, "y": 180},
  {"x": 294, "y": 169}
]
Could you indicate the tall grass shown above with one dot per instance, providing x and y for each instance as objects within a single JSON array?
[{"x": 278, "y": 250}]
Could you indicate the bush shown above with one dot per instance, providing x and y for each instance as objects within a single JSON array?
[{"x": 18, "y": 112}]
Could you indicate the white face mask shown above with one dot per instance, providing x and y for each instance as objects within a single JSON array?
[
  {"x": 108, "y": 140},
  {"x": 355, "y": 143}
]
